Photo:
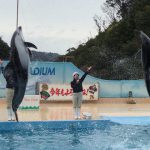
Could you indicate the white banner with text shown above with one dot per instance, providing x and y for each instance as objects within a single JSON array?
[{"x": 65, "y": 92}]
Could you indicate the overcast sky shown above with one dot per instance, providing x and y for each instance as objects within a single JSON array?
[{"x": 53, "y": 25}]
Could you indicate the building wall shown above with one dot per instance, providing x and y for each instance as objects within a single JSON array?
[{"x": 61, "y": 72}]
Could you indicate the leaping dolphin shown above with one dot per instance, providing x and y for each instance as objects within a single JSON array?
[
  {"x": 21, "y": 60},
  {"x": 146, "y": 58}
]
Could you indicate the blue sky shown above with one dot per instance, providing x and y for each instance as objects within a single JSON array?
[{"x": 53, "y": 25}]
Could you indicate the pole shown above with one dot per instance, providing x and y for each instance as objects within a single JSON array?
[{"x": 17, "y": 13}]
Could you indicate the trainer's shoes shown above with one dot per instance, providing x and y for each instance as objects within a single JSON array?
[
  {"x": 9, "y": 119},
  {"x": 75, "y": 113},
  {"x": 78, "y": 113},
  {"x": 11, "y": 115},
  {"x": 79, "y": 118}
]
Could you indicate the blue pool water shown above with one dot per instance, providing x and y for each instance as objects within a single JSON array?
[{"x": 112, "y": 133}]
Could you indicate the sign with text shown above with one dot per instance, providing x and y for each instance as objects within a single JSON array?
[
  {"x": 65, "y": 92},
  {"x": 30, "y": 102}
]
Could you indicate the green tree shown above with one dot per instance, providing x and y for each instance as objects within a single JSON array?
[
  {"x": 113, "y": 50},
  {"x": 4, "y": 50}
]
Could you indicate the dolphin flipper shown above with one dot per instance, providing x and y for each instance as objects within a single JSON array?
[{"x": 28, "y": 44}]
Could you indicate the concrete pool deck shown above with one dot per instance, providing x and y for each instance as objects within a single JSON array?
[{"x": 63, "y": 110}]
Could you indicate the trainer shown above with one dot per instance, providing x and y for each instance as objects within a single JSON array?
[
  {"x": 76, "y": 85},
  {"x": 11, "y": 78}
]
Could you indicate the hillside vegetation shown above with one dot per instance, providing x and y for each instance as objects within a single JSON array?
[{"x": 112, "y": 51}]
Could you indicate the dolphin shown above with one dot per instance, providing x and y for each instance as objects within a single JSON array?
[
  {"x": 20, "y": 55},
  {"x": 145, "y": 56}
]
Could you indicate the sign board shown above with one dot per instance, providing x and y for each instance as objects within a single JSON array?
[
  {"x": 30, "y": 102},
  {"x": 65, "y": 92}
]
